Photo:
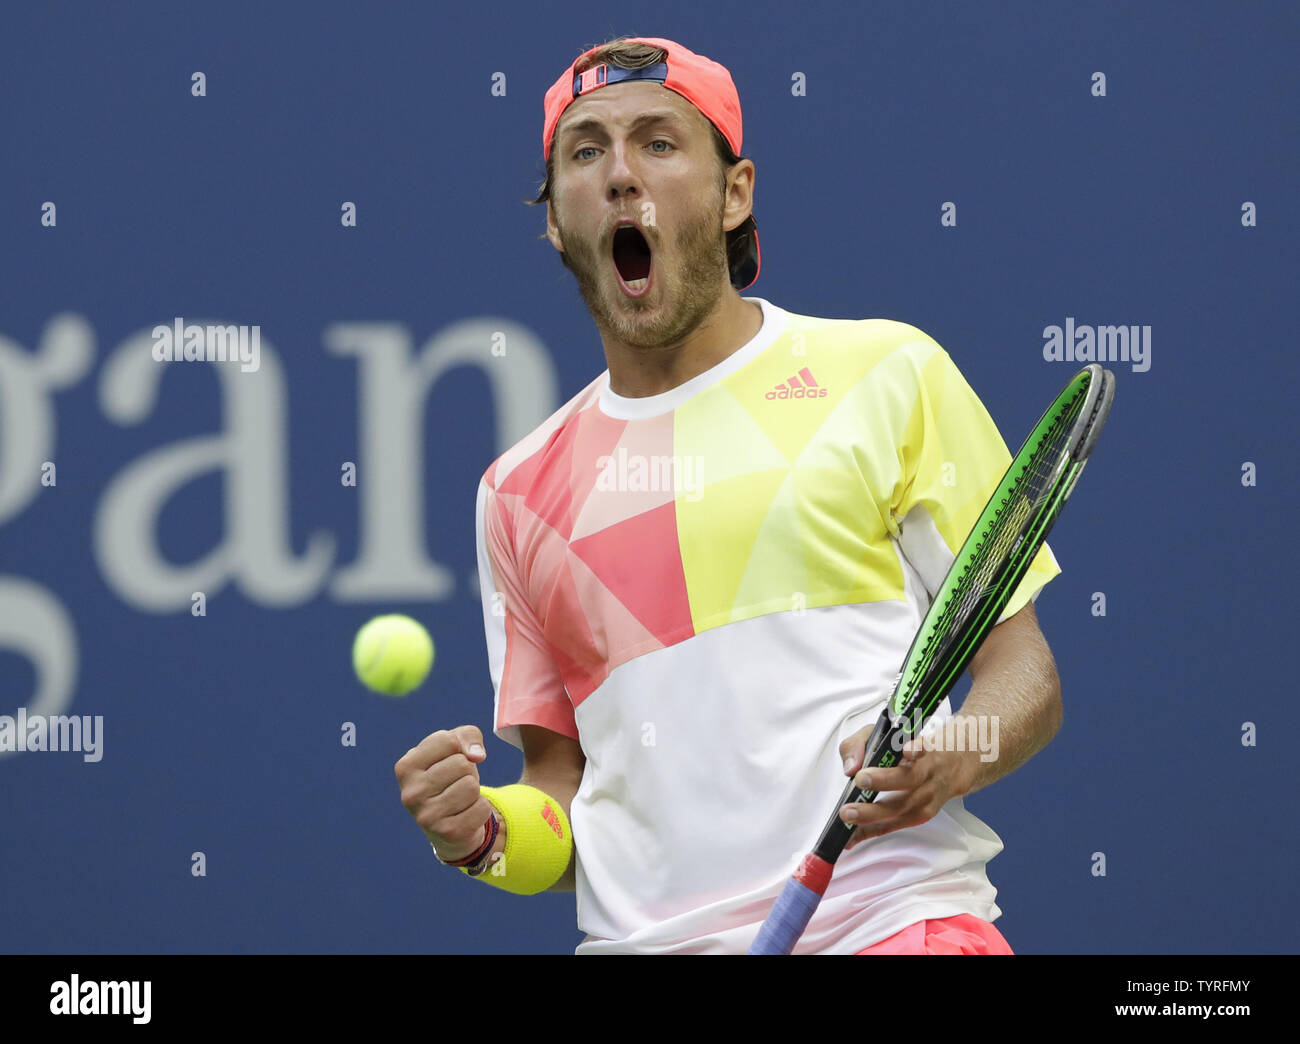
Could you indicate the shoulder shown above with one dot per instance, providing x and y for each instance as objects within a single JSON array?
[
  {"x": 534, "y": 446},
  {"x": 883, "y": 356},
  {"x": 871, "y": 336}
]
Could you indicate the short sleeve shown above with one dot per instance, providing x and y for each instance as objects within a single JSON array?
[
  {"x": 952, "y": 458},
  {"x": 529, "y": 689}
]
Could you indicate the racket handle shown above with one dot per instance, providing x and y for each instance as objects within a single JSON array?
[
  {"x": 793, "y": 908},
  {"x": 837, "y": 832}
]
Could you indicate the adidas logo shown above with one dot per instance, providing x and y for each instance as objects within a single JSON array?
[
  {"x": 553, "y": 821},
  {"x": 802, "y": 385}
]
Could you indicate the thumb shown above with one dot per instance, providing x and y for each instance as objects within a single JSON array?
[{"x": 471, "y": 742}]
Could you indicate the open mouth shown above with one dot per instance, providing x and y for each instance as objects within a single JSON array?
[{"x": 632, "y": 260}]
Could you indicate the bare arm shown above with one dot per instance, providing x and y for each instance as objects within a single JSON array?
[{"x": 1014, "y": 678}]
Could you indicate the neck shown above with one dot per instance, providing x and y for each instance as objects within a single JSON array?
[{"x": 636, "y": 372}]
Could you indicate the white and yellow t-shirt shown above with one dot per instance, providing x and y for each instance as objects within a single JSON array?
[{"x": 710, "y": 589}]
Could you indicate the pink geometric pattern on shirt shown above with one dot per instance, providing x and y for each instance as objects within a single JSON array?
[
  {"x": 639, "y": 560},
  {"x": 558, "y": 478},
  {"x": 606, "y": 625},
  {"x": 601, "y": 568},
  {"x": 647, "y": 439}
]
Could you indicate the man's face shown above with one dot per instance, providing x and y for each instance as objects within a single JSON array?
[{"x": 664, "y": 177}]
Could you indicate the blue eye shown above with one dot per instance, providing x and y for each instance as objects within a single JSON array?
[{"x": 658, "y": 152}]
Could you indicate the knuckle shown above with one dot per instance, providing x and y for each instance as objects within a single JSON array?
[
  {"x": 467, "y": 787},
  {"x": 454, "y": 796}
]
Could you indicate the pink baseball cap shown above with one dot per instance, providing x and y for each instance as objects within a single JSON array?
[{"x": 702, "y": 82}]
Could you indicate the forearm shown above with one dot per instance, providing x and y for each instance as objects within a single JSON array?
[{"x": 1018, "y": 693}]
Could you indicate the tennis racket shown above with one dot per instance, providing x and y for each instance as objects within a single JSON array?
[{"x": 986, "y": 572}]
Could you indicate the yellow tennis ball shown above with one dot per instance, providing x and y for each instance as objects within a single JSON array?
[{"x": 392, "y": 654}]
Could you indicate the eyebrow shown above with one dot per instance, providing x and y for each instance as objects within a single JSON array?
[{"x": 595, "y": 126}]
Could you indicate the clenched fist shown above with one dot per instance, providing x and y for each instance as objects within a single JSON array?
[{"x": 440, "y": 788}]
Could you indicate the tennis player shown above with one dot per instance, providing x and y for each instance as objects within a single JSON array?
[{"x": 701, "y": 574}]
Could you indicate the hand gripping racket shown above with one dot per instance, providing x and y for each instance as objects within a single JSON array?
[{"x": 986, "y": 572}]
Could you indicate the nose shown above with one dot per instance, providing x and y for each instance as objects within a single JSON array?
[{"x": 622, "y": 178}]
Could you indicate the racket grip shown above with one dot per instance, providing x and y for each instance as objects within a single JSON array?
[
  {"x": 837, "y": 832},
  {"x": 793, "y": 908}
]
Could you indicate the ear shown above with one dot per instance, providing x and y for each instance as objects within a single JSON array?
[
  {"x": 552, "y": 229},
  {"x": 738, "y": 195}
]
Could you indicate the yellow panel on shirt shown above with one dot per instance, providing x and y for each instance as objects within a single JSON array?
[{"x": 808, "y": 460}]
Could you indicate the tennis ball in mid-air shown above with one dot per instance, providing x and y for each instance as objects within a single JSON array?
[{"x": 392, "y": 654}]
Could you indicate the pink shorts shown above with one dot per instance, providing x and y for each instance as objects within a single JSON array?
[{"x": 960, "y": 934}]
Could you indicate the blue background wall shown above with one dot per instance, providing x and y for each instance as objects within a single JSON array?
[{"x": 222, "y": 732}]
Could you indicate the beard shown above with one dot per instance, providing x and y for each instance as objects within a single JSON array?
[{"x": 691, "y": 279}]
